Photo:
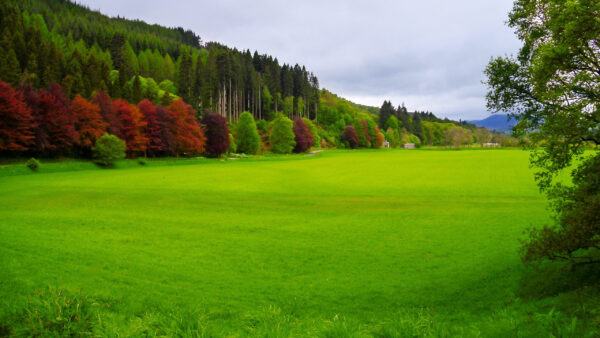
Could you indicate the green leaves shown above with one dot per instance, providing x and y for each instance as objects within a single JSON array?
[
  {"x": 282, "y": 135},
  {"x": 108, "y": 149},
  {"x": 248, "y": 140},
  {"x": 553, "y": 89}
]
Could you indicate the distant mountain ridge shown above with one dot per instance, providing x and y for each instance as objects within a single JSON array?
[{"x": 497, "y": 122}]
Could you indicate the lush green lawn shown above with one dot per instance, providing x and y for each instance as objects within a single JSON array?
[{"x": 356, "y": 242}]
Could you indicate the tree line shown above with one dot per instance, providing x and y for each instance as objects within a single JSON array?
[{"x": 44, "y": 122}]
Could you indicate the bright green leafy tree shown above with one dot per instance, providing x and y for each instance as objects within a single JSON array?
[
  {"x": 248, "y": 140},
  {"x": 552, "y": 88},
  {"x": 282, "y": 135}
]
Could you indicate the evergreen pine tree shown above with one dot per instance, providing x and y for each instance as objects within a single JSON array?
[
  {"x": 10, "y": 70},
  {"x": 416, "y": 126},
  {"x": 184, "y": 82},
  {"x": 136, "y": 91}
]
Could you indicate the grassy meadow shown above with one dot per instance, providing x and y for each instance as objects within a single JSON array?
[{"x": 342, "y": 243}]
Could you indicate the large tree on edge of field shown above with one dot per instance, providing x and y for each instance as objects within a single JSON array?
[{"x": 552, "y": 88}]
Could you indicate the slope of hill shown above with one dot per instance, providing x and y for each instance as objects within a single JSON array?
[
  {"x": 59, "y": 41},
  {"x": 497, "y": 122}
]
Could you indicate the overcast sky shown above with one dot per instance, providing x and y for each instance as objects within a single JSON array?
[{"x": 429, "y": 54}]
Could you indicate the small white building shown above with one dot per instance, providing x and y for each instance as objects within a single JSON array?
[
  {"x": 409, "y": 146},
  {"x": 490, "y": 145},
  {"x": 385, "y": 144}
]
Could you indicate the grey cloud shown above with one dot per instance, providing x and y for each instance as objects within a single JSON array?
[{"x": 428, "y": 54}]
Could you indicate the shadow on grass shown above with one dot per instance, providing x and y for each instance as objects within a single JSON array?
[{"x": 551, "y": 279}]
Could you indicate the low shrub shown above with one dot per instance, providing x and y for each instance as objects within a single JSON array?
[
  {"x": 108, "y": 149},
  {"x": 33, "y": 164},
  {"x": 142, "y": 161}
]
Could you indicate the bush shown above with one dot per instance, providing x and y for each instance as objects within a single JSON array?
[
  {"x": 217, "y": 134},
  {"x": 303, "y": 138},
  {"x": 349, "y": 137},
  {"x": 142, "y": 161},
  {"x": 108, "y": 149},
  {"x": 282, "y": 135},
  {"x": 248, "y": 140},
  {"x": 33, "y": 164}
]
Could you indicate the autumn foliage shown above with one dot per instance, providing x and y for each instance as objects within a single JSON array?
[
  {"x": 304, "y": 139},
  {"x": 44, "y": 122},
  {"x": 379, "y": 138},
  {"x": 217, "y": 133},
  {"x": 53, "y": 124},
  {"x": 349, "y": 136},
  {"x": 133, "y": 127},
  {"x": 160, "y": 138},
  {"x": 15, "y": 129},
  {"x": 89, "y": 125},
  {"x": 189, "y": 138}
]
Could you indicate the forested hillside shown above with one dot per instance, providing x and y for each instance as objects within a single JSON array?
[
  {"x": 57, "y": 41},
  {"x": 71, "y": 74}
]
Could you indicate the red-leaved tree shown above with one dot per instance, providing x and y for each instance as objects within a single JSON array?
[
  {"x": 379, "y": 138},
  {"x": 53, "y": 122},
  {"x": 350, "y": 137},
  {"x": 148, "y": 111},
  {"x": 189, "y": 138},
  {"x": 109, "y": 112},
  {"x": 166, "y": 135},
  {"x": 303, "y": 137},
  {"x": 89, "y": 124},
  {"x": 160, "y": 137},
  {"x": 133, "y": 127},
  {"x": 217, "y": 134},
  {"x": 15, "y": 120}
]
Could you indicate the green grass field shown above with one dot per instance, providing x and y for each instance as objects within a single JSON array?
[{"x": 343, "y": 243}]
